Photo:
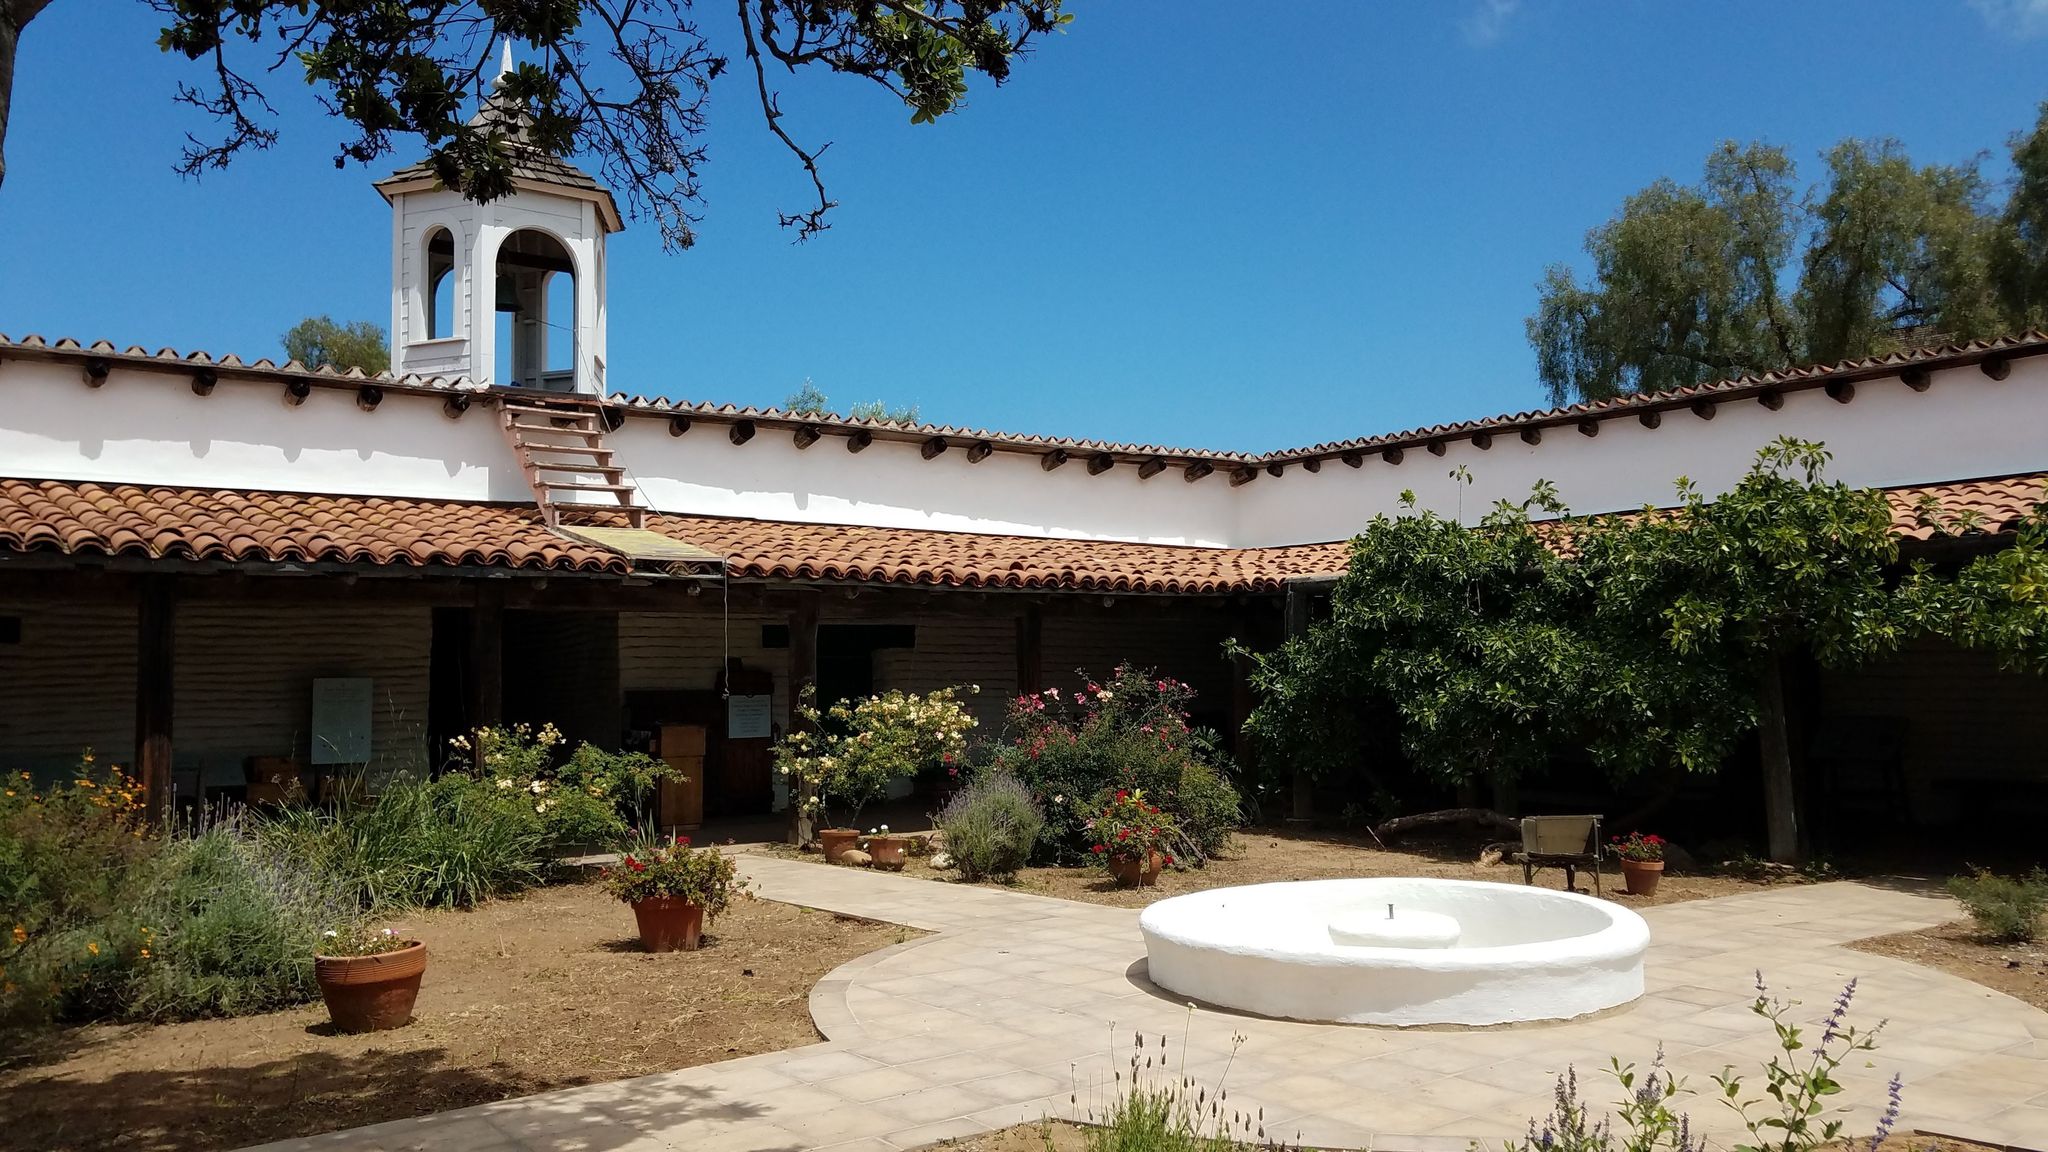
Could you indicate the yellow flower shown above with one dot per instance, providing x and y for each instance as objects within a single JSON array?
[
  {"x": 92, "y": 947},
  {"x": 145, "y": 953}
]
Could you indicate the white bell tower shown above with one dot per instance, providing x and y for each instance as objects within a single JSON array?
[{"x": 509, "y": 293}]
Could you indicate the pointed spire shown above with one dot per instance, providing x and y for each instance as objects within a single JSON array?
[{"x": 505, "y": 61}]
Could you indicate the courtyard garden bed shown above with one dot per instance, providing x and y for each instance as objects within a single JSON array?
[
  {"x": 2019, "y": 970},
  {"x": 523, "y": 995},
  {"x": 1260, "y": 855}
]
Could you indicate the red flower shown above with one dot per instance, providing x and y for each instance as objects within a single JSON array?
[
  {"x": 1123, "y": 834},
  {"x": 1168, "y": 859},
  {"x": 1102, "y": 848},
  {"x": 1122, "y": 795},
  {"x": 1654, "y": 838},
  {"x": 636, "y": 866}
]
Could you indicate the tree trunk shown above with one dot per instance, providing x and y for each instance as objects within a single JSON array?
[
  {"x": 803, "y": 673},
  {"x": 1469, "y": 817},
  {"x": 14, "y": 16},
  {"x": 1781, "y": 815}
]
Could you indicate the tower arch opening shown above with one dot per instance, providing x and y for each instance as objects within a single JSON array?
[
  {"x": 534, "y": 284},
  {"x": 439, "y": 298}
]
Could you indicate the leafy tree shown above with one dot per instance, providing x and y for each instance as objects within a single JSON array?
[
  {"x": 1653, "y": 641},
  {"x": 1998, "y": 601},
  {"x": 624, "y": 81},
  {"x": 1687, "y": 282},
  {"x": 317, "y": 341}
]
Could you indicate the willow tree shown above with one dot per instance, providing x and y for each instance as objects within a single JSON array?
[{"x": 624, "y": 82}]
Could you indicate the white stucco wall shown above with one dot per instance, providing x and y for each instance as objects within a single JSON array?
[{"x": 146, "y": 426}]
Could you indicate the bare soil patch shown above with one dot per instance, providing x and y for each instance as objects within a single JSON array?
[
  {"x": 524, "y": 995},
  {"x": 2018, "y": 970},
  {"x": 1258, "y": 856}
]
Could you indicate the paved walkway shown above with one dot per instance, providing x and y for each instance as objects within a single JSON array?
[{"x": 1019, "y": 1006}]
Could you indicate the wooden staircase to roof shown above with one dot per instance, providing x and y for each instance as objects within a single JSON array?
[{"x": 559, "y": 444}]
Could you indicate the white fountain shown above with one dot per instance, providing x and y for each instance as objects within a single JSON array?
[{"x": 1397, "y": 951}]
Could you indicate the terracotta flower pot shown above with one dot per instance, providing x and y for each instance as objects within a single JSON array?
[
  {"x": 1133, "y": 872},
  {"x": 837, "y": 842},
  {"x": 371, "y": 993},
  {"x": 669, "y": 924},
  {"x": 1641, "y": 876},
  {"x": 889, "y": 852}
]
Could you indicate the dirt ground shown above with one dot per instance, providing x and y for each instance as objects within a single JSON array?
[
  {"x": 523, "y": 995},
  {"x": 2018, "y": 970},
  {"x": 1261, "y": 855}
]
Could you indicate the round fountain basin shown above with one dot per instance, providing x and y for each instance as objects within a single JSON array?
[
  {"x": 1404, "y": 928},
  {"x": 1513, "y": 953}
]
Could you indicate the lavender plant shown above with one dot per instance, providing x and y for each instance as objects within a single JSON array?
[{"x": 1800, "y": 1079}]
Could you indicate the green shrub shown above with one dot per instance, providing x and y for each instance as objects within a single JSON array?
[
  {"x": 2006, "y": 909},
  {"x": 231, "y": 926},
  {"x": 1129, "y": 732},
  {"x": 71, "y": 861},
  {"x": 991, "y": 826}
]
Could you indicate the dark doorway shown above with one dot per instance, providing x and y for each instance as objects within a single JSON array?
[
  {"x": 846, "y": 657},
  {"x": 562, "y": 668}
]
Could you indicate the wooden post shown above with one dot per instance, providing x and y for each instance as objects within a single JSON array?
[
  {"x": 155, "y": 667},
  {"x": 487, "y": 657},
  {"x": 1030, "y": 651},
  {"x": 803, "y": 673}
]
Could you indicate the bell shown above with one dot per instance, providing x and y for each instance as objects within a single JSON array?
[{"x": 508, "y": 293}]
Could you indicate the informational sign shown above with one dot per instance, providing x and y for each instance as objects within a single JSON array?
[
  {"x": 749, "y": 717},
  {"x": 341, "y": 720}
]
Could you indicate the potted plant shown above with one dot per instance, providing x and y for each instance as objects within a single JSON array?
[
  {"x": 1132, "y": 838},
  {"x": 368, "y": 979},
  {"x": 1642, "y": 861},
  {"x": 887, "y": 849},
  {"x": 673, "y": 889},
  {"x": 840, "y": 759}
]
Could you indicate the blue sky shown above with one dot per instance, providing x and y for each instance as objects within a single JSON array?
[{"x": 1196, "y": 223}]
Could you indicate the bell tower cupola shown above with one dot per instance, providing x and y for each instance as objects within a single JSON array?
[{"x": 509, "y": 293}]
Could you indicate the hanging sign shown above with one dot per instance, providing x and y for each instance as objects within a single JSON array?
[{"x": 749, "y": 717}]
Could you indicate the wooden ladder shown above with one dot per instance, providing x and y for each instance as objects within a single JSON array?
[{"x": 559, "y": 445}]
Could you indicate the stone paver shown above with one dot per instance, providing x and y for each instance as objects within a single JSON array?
[{"x": 1020, "y": 1007}]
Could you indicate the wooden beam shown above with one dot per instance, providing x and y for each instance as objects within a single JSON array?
[
  {"x": 932, "y": 447},
  {"x": 1391, "y": 455},
  {"x": 1242, "y": 476},
  {"x": 1703, "y": 408},
  {"x": 1532, "y": 435},
  {"x": 295, "y": 393},
  {"x": 611, "y": 417},
  {"x": 1917, "y": 379},
  {"x": 677, "y": 425},
  {"x": 1030, "y": 649},
  {"x": 368, "y": 397},
  {"x": 97, "y": 370},
  {"x": 1100, "y": 462},
  {"x": 1312, "y": 464},
  {"x": 156, "y": 624},
  {"x": 1996, "y": 367},
  {"x": 1840, "y": 391},
  {"x": 1353, "y": 459},
  {"x": 804, "y": 437},
  {"x": 1650, "y": 419},
  {"x": 1276, "y": 468},
  {"x": 1151, "y": 468},
  {"x": 203, "y": 381},
  {"x": 1482, "y": 440},
  {"x": 1197, "y": 470},
  {"x": 1771, "y": 398},
  {"x": 1053, "y": 459},
  {"x": 1589, "y": 428},
  {"x": 454, "y": 406},
  {"x": 741, "y": 431},
  {"x": 979, "y": 450},
  {"x": 859, "y": 440},
  {"x": 803, "y": 674}
]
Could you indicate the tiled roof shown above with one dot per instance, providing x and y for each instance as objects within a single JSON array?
[
  {"x": 199, "y": 524},
  {"x": 1831, "y": 375},
  {"x": 195, "y": 524}
]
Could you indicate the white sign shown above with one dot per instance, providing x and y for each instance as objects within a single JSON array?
[
  {"x": 749, "y": 717},
  {"x": 341, "y": 720}
]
